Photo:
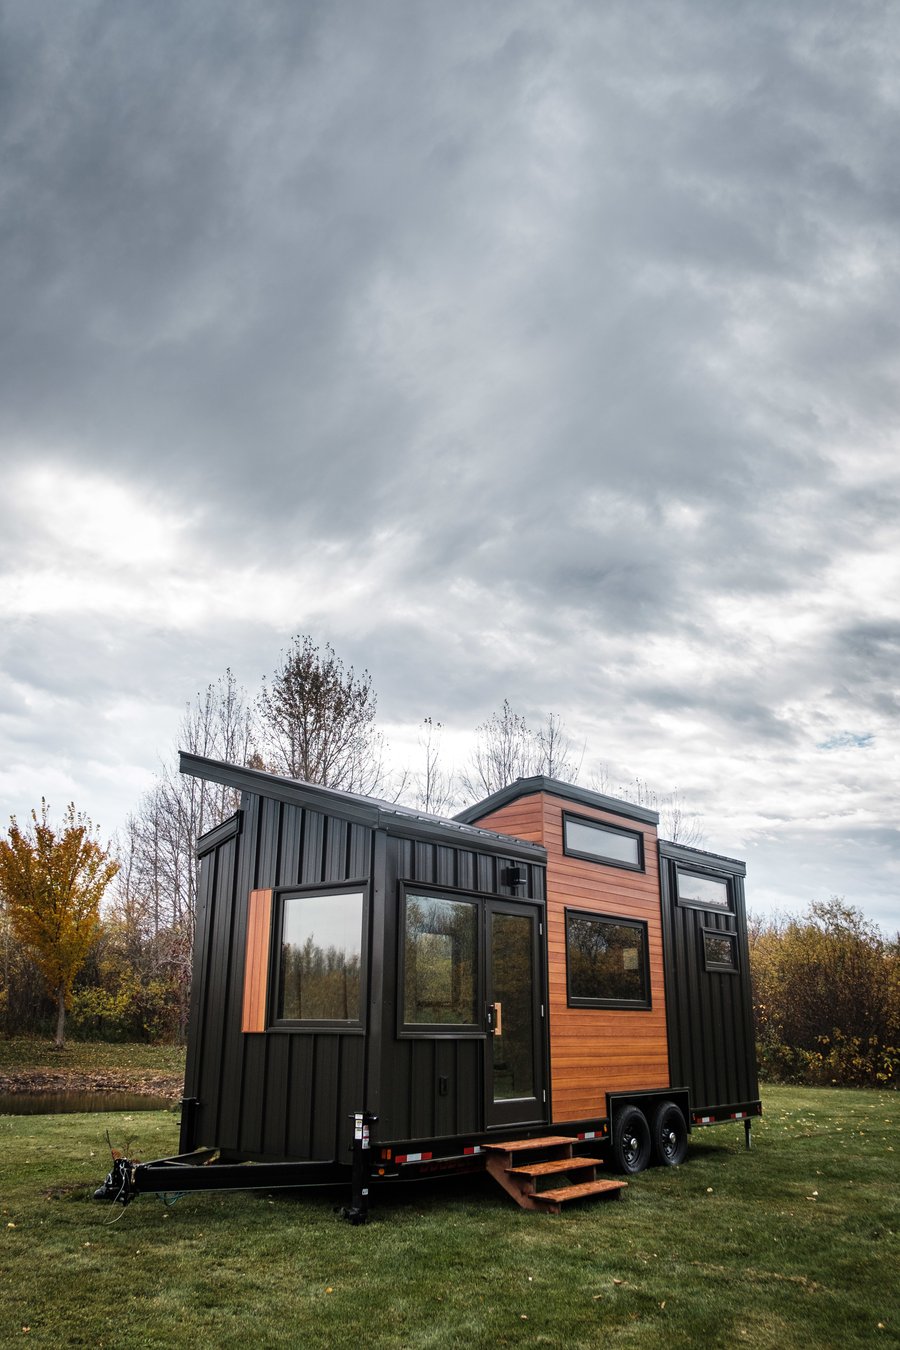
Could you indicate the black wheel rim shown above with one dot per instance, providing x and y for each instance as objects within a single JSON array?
[
  {"x": 668, "y": 1142},
  {"x": 631, "y": 1148}
]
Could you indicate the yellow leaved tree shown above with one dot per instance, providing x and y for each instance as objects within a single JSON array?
[{"x": 52, "y": 882}]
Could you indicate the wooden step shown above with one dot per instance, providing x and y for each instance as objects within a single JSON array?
[
  {"x": 586, "y": 1189},
  {"x": 522, "y": 1145},
  {"x": 543, "y": 1169}
]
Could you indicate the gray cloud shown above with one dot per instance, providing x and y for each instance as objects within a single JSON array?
[{"x": 540, "y": 351}]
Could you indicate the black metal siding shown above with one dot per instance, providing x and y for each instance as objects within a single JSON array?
[
  {"x": 281, "y": 1093},
  {"x": 709, "y": 1013},
  {"x": 406, "y": 1090}
]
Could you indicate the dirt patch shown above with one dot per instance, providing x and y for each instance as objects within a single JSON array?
[{"x": 169, "y": 1086}]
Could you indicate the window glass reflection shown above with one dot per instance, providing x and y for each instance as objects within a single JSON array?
[{"x": 321, "y": 952}]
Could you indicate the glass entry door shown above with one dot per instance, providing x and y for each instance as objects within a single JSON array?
[{"x": 514, "y": 1086}]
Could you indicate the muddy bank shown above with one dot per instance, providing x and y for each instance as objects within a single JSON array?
[{"x": 169, "y": 1086}]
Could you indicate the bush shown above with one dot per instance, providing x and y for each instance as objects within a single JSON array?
[{"x": 826, "y": 999}]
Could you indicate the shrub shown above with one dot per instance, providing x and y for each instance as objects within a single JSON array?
[{"x": 826, "y": 999}]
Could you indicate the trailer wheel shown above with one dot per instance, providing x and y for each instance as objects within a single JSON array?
[
  {"x": 668, "y": 1135},
  {"x": 631, "y": 1140}
]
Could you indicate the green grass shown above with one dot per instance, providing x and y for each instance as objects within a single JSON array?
[
  {"x": 23, "y": 1053},
  {"x": 792, "y": 1245}
]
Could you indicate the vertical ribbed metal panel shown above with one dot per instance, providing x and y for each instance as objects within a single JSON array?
[
  {"x": 192, "y": 1126},
  {"x": 279, "y": 1093},
  {"x": 709, "y": 1015},
  {"x": 286, "y": 1093},
  {"x": 432, "y": 1086}
]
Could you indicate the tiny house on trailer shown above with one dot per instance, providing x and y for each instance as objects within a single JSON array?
[{"x": 409, "y": 995}]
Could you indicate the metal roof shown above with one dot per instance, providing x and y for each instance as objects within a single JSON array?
[{"x": 372, "y": 811}]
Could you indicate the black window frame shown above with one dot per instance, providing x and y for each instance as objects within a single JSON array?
[
  {"x": 602, "y": 827},
  {"x": 719, "y": 967},
  {"x": 349, "y": 1026},
  {"x": 439, "y": 1030},
  {"x": 705, "y": 874},
  {"x": 620, "y": 920}
]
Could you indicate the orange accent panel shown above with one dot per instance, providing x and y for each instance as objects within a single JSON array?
[{"x": 256, "y": 964}]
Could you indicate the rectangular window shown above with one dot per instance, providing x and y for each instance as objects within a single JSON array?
[
  {"x": 440, "y": 951},
  {"x": 320, "y": 961},
  {"x": 719, "y": 950},
  {"x": 603, "y": 843},
  {"x": 606, "y": 961},
  {"x": 700, "y": 891}
]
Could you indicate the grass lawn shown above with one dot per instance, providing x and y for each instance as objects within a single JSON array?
[{"x": 792, "y": 1245}]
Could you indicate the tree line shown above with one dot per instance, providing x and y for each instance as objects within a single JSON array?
[{"x": 102, "y": 935}]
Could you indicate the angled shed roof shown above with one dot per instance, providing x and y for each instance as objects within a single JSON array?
[{"x": 371, "y": 811}]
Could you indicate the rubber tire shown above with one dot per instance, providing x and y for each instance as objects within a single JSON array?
[
  {"x": 631, "y": 1141},
  {"x": 668, "y": 1135}
]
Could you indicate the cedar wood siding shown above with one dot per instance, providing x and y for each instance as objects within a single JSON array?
[{"x": 594, "y": 1051}]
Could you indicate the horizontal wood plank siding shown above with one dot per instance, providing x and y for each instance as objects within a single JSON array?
[
  {"x": 256, "y": 968},
  {"x": 594, "y": 1050}
]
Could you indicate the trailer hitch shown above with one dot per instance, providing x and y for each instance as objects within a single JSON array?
[{"x": 119, "y": 1187}]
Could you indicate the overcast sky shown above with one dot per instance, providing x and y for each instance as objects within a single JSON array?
[{"x": 540, "y": 351}]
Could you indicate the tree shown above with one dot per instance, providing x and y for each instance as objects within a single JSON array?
[
  {"x": 52, "y": 882},
  {"x": 826, "y": 994},
  {"x": 434, "y": 786},
  {"x": 507, "y": 748},
  {"x": 676, "y": 823},
  {"x": 318, "y": 721},
  {"x": 155, "y": 899}
]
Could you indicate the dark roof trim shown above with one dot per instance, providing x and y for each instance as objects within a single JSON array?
[
  {"x": 220, "y": 834},
  {"x": 698, "y": 857},
  {"x": 370, "y": 811},
  {"x": 527, "y": 787}
]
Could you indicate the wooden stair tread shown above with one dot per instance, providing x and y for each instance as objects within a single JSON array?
[
  {"x": 542, "y": 1169},
  {"x": 579, "y": 1192},
  {"x": 521, "y": 1145}
]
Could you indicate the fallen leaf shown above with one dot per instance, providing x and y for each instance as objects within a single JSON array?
[
  {"x": 663, "y": 1304},
  {"x": 329, "y": 1290},
  {"x": 618, "y": 1282}
]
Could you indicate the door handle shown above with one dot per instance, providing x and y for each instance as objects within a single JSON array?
[{"x": 497, "y": 1019}]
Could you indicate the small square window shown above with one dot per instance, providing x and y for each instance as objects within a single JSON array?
[
  {"x": 603, "y": 843},
  {"x": 720, "y": 951},
  {"x": 606, "y": 961}
]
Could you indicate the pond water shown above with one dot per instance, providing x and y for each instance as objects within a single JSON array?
[{"x": 56, "y": 1103}]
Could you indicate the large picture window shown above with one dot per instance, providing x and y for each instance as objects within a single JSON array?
[
  {"x": 440, "y": 950},
  {"x": 603, "y": 843},
  {"x": 320, "y": 961},
  {"x": 606, "y": 961}
]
